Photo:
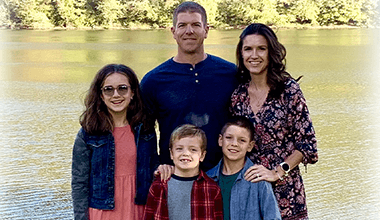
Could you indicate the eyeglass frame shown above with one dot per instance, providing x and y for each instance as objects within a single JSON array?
[{"x": 113, "y": 90}]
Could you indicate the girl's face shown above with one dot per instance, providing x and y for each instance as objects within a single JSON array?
[
  {"x": 117, "y": 93},
  {"x": 255, "y": 54}
]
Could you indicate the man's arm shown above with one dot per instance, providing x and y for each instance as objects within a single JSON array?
[{"x": 147, "y": 95}]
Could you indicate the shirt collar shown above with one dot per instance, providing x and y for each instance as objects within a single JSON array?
[{"x": 216, "y": 172}]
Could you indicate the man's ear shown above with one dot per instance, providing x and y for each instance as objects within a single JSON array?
[
  {"x": 172, "y": 29},
  {"x": 207, "y": 28}
]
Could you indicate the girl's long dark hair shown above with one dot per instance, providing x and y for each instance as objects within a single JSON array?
[
  {"x": 277, "y": 74},
  {"x": 96, "y": 119}
]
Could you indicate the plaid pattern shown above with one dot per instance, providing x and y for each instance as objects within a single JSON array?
[{"x": 206, "y": 200}]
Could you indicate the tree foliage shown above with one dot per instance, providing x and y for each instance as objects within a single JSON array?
[{"x": 158, "y": 13}]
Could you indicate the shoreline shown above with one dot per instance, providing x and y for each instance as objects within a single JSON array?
[{"x": 329, "y": 27}]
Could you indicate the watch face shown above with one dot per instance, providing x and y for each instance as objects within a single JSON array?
[{"x": 285, "y": 167}]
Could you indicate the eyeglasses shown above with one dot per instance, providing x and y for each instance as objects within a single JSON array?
[{"x": 121, "y": 90}]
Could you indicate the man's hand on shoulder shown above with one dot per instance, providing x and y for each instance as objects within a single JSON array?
[{"x": 165, "y": 171}]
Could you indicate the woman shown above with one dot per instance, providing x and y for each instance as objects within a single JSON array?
[
  {"x": 115, "y": 151},
  {"x": 273, "y": 101}
]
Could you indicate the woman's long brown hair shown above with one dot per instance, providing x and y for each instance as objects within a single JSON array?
[{"x": 277, "y": 74}]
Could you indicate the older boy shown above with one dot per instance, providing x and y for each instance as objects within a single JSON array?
[
  {"x": 241, "y": 199},
  {"x": 190, "y": 193}
]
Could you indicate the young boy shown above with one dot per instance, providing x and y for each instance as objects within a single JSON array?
[
  {"x": 241, "y": 199},
  {"x": 189, "y": 193}
]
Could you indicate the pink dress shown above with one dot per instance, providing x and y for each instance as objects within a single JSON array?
[{"x": 125, "y": 180}]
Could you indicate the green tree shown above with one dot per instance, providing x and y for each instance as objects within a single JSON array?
[
  {"x": 305, "y": 12},
  {"x": 110, "y": 13},
  {"x": 4, "y": 13},
  {"x": 33, "y": 13},
  {"x": 211, "y": 7},
  {"x": 233, "y": 12},
  {"x": 73, "y": 13},
  {"x": 244, "y": 12},
  {"x": 158, "y": 13},
  {"x": 371, "y": 11},
  {"x": 340, "y": 12}
]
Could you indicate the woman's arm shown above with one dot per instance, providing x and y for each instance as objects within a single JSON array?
[
  {"x": 303, "y": 135},
  {"x": 302, "y": 128},
  {"x": 258, "y": 173}
]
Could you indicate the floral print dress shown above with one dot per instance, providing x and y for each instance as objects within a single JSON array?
[{"x": 282, "y": 126}]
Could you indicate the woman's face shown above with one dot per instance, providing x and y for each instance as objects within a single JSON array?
[
  {"x": 255, "y": 54},
  {"x": 117, "y": 93}
]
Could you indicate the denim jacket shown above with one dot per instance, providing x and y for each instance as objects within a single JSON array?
[
  {"x": 249, "y": 200},
  {"x": 93, "y": 169}
]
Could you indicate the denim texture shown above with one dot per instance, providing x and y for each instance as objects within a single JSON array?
[
  {"x": 93, "y": 170},
  {"x": 249, "y": 200}
]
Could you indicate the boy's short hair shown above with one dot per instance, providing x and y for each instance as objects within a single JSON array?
[
  {"x": 242, "y": 122},
  {"x": 188, "y": 130},
  {"x": 191, "y": 7}
]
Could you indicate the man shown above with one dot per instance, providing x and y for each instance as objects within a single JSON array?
[{"x": 192, "y": 87}]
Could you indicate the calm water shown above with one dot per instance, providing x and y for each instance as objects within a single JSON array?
[{"x": 44, "y": 76}]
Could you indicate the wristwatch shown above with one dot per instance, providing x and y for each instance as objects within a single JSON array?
[{"x": 285, "y": 167}]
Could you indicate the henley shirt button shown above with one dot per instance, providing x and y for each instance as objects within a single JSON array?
[
  {"x": 191, "y": 69},
  {"x": 196, "y": 74},
  {"x": 197, "y": 81}
]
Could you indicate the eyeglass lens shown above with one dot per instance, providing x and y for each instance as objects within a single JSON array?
[{"x": 121, "y": 90}]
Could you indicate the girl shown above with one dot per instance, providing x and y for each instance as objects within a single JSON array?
[{"x": 115, "y": 151}]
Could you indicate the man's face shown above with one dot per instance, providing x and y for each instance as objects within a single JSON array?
[{"x": 190, "y": 32}]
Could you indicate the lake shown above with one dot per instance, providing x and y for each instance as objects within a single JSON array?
[{"x": 44, "y": 76}]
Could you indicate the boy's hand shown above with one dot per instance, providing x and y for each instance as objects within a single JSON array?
[
  {"x": 258, "y": 173},
  {"x": 165, "y": 171}
]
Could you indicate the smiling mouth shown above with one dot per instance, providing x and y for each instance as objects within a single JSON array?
[
  {"x": 117, "y": 102},
  {"x": 185, "y": 160},
  {"x": 255, "y": 63},
  {"x": 233, "y": 151}
]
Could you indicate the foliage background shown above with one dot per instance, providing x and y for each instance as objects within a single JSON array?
[{"x": 46, "y": 14}]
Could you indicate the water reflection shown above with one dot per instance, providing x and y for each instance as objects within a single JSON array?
[{"x": 45, "y": 74}]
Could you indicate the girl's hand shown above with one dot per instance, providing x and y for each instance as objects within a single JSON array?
[
  {"x": 165, "y": 171},
  {"x": 258, "y": 173}
]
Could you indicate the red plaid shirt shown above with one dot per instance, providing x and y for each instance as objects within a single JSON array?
[{"x": 206, "y": 200}]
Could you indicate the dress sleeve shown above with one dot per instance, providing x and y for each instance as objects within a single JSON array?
[
  {"x": 80, "y": 174},
  {"x": 302, "y": 127}
]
